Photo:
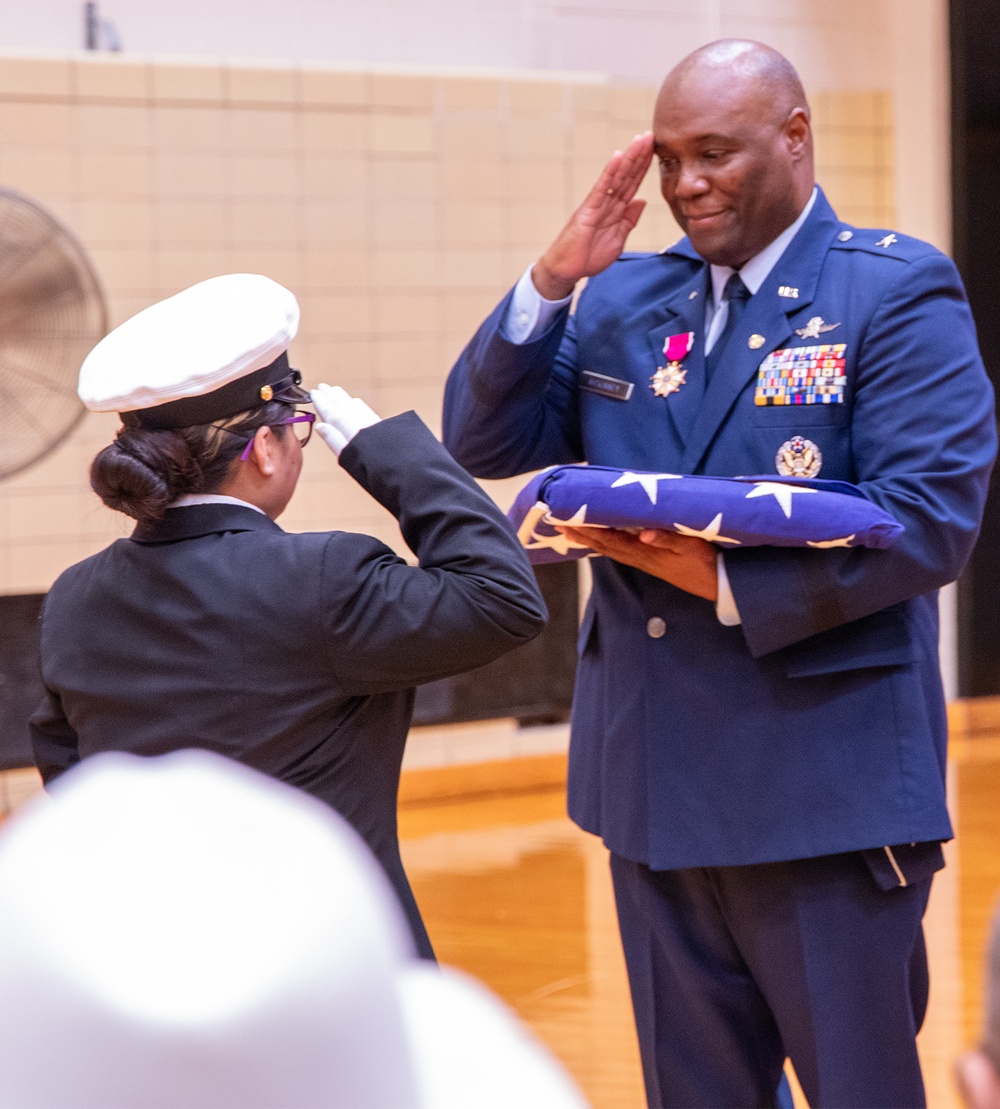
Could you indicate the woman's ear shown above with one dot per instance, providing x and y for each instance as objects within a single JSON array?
[{"x": 264, "y": 452}]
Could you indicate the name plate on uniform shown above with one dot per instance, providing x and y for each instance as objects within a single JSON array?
[
  {"x": 803, "y": 375},
  {"x": 606, "y": 386}
]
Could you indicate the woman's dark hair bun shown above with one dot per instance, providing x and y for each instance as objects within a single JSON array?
[{"x": 143, "y": 471}]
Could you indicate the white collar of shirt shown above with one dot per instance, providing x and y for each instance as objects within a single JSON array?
[
  {"x": 754, "y": 273},
  {"x": 212, "y": 498}
]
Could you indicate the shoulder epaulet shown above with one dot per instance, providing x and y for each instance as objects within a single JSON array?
[
  {"x": 879, "y": 241},
  {"x": 636, "y": 255}
]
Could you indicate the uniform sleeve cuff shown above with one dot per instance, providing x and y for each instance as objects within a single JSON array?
[
  {"x": 725, "y": 605},
  {"x": 529, "y": 313}
]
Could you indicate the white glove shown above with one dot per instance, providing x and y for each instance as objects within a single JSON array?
[{"x": 342, "y": 416}]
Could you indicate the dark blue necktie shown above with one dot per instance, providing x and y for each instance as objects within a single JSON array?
[{"x": 736, "y": 295}]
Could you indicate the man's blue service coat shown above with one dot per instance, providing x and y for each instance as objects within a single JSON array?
[{"x": 818, "y": 725}]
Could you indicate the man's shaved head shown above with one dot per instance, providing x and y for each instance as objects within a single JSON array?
[
  {"x": 752, "y": 65},
  {"x": 731, "y": 130}
]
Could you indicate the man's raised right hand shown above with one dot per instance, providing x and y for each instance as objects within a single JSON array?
[{"x": 596, "y": 232}]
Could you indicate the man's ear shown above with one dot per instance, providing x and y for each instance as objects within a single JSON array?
[
  {"x": 263, "y": 454},
  {"x": 798, "y": 131},
  {"x": 978, "y": 1081}
]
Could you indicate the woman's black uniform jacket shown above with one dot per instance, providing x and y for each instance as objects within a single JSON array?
[{"x": 295, "y": 654}]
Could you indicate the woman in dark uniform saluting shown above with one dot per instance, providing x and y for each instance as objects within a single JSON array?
[{"x": 211, "y": 627}]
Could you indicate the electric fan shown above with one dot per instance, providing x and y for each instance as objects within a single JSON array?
[{"x": 52, "y": 312}]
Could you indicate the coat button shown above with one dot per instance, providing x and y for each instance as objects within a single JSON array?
[
  {"x": 656, "y": 627},
  {"x": 846, "y": 236}
]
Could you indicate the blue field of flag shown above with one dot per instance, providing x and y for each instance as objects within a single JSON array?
[{"x": 731, "y": 512}]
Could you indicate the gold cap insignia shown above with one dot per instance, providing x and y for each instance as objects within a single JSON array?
[{"x": 266, "y": 392}]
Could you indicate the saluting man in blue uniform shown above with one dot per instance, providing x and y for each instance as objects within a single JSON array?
[{"x": 758, "y": 736}]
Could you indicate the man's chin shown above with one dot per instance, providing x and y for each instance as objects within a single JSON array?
[
  {"x": 710, "y": 239},
  {"x": 717, "y": 249}
]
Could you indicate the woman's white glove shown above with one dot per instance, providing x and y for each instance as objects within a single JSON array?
[{"x": 342, "y": 416}]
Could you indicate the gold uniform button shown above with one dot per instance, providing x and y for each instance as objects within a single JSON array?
[{"x": 656, "y": 627}]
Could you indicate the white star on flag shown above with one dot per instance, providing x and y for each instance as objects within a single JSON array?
[
  {"x": 577, "y": 520},
  {"x": 824, "y": 544},
  {"x": 781, "y": 493},
  {"x": 561, "y": 544},
  {"x": 647, "y": 481},
  {"x": 711, "y": 533}
]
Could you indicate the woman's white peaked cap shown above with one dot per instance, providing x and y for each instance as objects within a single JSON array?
[{"x": 190, "y": 344}]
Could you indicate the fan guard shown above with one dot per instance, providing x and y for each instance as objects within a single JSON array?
[{"x": 52, "y": 311}]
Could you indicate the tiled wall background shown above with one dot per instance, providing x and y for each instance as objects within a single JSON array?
[
  {"x": 398, "y": 206},
  {"x": 838, "y": 43}
]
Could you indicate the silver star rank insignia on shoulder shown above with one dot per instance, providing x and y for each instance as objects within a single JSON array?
[
  {"x": 814, "y": 328},
  {"x": 887, "y": 241}
]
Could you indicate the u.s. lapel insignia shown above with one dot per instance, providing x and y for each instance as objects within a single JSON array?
[
  {"x": 755, "y": 342},
  {"x": 887, "y": 241},
  {"x": 814, "y": 328},
  {"x": 788, "y": 291},
  {"x": 798, "y": 457},
  {"x": 669, "y": 378}
]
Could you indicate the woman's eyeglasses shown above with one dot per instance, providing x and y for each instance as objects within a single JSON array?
[{"x": 307, "y": 418}]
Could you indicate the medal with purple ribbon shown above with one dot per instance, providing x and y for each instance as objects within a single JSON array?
[{"x": 669, "y": 378}]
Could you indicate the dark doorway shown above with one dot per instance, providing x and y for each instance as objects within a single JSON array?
[
  {"x": 533, "y": 683},
  {"x": 20, "y": 685},
  {"x": 975, "y": 53}
]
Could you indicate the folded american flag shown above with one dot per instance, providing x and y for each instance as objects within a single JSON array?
[{"x": 732, "y": 512}]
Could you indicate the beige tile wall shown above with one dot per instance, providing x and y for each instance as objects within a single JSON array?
[{"x": 398, "y": 207}]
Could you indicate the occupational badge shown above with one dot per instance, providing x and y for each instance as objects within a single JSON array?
[
  {"x": 814, "y": 328},
  {"x": 669, "y": 378},
  {"x": 798, "y": 457}
]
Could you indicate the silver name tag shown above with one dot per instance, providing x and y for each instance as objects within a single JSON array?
[{"x": 606, "y": 386}]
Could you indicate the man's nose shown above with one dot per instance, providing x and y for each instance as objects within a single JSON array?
[{"x": 691, "y": 181}]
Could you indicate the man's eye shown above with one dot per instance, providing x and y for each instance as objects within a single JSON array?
[
  {"x": 714, "y": 155},
  {"x": 668, "y": 165}
]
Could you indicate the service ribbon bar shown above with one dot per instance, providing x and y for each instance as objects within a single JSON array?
[{"x": 803, "y": 375}]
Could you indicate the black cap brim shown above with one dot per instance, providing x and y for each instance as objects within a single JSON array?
[{"x": 277, "y": 381}]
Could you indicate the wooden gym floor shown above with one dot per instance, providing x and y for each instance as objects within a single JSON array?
[
  {"x": 514, "y": 893},
  {"x": 518, "y": 896}
]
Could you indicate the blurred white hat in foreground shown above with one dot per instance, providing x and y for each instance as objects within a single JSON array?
[{"x": 184, "y": 932}]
